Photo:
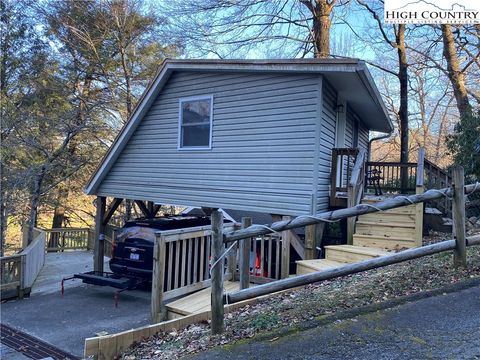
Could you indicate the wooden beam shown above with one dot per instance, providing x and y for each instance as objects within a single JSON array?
[
  {"x": 156, "y": 209},
  {"x": 217, "y": 272},
  {"x": 111, "y": 210},
  {"x": 99, "y": 234},
  {"x": 143, "y": 208},
  {"x": 158, "y": 311},
  {"x": 244, "y": 266},
  {"x": 297, "y": 244},
  {"x": 458, "y": 211},
  {"x": 360, "y": 209}
]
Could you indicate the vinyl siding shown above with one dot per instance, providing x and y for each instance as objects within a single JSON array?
[
  {"x": 327, "y": 143},
  {"x": 363, "y": 132},
  {"x": 363, "y": 136},
  {"x": 262, "y": 154}
]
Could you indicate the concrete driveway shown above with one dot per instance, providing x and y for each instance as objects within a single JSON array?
[{"x": 83, "y": 311}]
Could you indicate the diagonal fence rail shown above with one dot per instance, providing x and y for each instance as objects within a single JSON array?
[{"x": 457, "y": 192}]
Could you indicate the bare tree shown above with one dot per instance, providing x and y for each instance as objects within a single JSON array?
[
  {"x": 455, "y": 74},
  {"x": 397, "y": 43},
  {"x": 230, "y": 29}
]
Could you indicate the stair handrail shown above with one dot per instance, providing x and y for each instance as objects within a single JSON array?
[
  {"x": 437, "y": 177},
  {"x": 355, "y": 190}
]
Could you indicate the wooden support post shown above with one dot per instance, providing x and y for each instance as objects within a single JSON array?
[
  {"x": 244, "y": 246},
  {"x": 458, "y": 211},
  {"x": 158, "y": 311},
  {"x": 217, "y": 272},
  {"x": 90, "y": 240},
  {"x": 419, "y": 189},
  {"x": 285, "y": 268},
  {"x": 351, "y": 220},
  {"x": 232, "y": 264},
  {"x": 313, "y": 239},
  {"x": 99, "y": 234}
]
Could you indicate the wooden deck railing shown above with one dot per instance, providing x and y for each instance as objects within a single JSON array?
[
  {"x": 61, "y": 239},
  {"x": 383, "y": 176},
  {"x": 181, "y": 265},
  {"x": 436, "y": 177},
  {"x": 265, "y": 258},
  {"x": 18, "y": 272},
  {"x": 390, "y": 176},
  {"x": 343, "y": 160},
  {"x": 182, "y": 261}
]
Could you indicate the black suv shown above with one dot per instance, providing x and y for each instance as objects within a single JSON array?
[{"x": 132, "y": 253}]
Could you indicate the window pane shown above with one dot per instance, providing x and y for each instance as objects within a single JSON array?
[
  {"x": 196, "y": 111},
  {"x": 196, "y": 135}
]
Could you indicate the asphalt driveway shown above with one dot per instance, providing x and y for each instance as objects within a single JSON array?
[
  {"x": 440, "y": 327},
  {"x": 83, "y": 311}
]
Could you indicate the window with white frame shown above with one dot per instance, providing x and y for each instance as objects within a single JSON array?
[{"x": 195, "y": 123}]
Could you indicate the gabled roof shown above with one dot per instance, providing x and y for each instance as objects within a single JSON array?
[{"x": 350, "y": 77}]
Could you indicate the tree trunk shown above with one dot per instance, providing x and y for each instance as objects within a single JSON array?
[
  {"x": 454, "y": 73},
  {"x": 321, "y": 11},
  {"x": 321, "y": 33},
  {"x": 59, "y": 212},
  {"x": 403, "y": 111},
  {"x": 34, "y": 202},
  {"x": 62, "y": 198}
]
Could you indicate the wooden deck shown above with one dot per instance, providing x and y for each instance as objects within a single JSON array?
[{"x": 197, "y": 302}]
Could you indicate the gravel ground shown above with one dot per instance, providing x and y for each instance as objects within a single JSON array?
[{"x": 313, "y": 302}]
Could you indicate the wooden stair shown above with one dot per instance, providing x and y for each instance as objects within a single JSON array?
[
  {"x": 376, "y": 234},
  {"x": 393, "y": 229},
  {"x": 197, "y": 302},
  {"x": 338, "y": 255}
]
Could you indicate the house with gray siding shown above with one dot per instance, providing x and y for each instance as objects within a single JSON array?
[{"x": 253, "y": 135}]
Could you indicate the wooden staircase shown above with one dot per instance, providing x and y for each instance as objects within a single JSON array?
[{"x": 376, "y": 234}]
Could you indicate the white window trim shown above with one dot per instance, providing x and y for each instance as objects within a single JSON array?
[{"x": 180, "y": 110}]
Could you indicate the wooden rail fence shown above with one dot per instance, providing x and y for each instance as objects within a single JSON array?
[
  {"x": 458, "y": 245},
  {"x": 18, "y": 272}
]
